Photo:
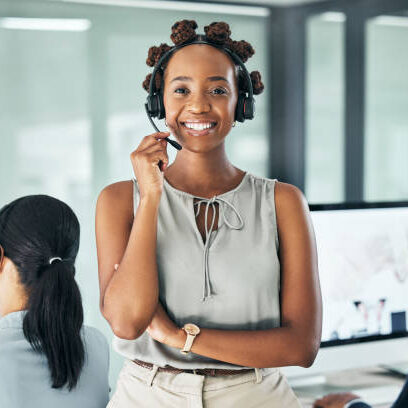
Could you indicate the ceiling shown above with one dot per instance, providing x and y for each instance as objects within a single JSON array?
[{"x": 273, "y": 2}]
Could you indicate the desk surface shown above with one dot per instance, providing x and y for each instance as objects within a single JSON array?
[{"x": 338, "y": 381}]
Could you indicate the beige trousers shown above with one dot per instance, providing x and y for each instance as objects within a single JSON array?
[{"x": 141, "y": 387}]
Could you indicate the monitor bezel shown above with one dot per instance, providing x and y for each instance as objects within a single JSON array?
[{"x": 361, "y": 205}]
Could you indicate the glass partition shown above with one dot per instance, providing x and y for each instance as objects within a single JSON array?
[
  {"x": 386, "y": 124},
  {"x": 72, "y": 105},
  {"x": 325, "y": 107}
]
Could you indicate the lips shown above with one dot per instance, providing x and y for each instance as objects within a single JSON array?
[{"x": 199, "y": 128}]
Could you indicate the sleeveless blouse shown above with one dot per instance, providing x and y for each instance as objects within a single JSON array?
[{"x": 230, "y": 282}]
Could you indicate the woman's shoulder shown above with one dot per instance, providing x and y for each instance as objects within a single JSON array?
[
  {"x": 263, "y": 186},
  {"x": 290, "y": 203},
  {"x": 288, "y": 195},
  {"x": 261, "y": 181},
  {"x": 117, "y": 197},
  {"x": 120, "y": 190}
]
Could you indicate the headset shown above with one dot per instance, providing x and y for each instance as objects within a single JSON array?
[{"x": 154, "y": 104}]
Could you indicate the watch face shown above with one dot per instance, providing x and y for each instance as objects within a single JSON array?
[{"x": 192, "y": 329}]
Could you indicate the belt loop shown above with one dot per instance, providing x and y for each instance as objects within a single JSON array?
[
  {"x": 151, "y": 375},
  {"x": 258, "y": 375}
]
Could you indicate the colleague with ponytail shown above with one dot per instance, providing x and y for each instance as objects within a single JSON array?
[{"x": 47, "y": 357}]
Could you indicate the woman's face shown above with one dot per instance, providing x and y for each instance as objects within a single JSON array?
[{"x": 200, "y": 96}]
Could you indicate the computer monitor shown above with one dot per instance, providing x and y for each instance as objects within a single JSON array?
[{"x": 363, "y": 268}]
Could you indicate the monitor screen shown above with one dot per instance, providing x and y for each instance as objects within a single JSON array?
[{"x": 363, "y": 267}]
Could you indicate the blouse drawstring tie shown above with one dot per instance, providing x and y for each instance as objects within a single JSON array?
[{"x": 207, "y": 291}]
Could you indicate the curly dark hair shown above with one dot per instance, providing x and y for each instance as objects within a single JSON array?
[{"x": 218, "y": 33}]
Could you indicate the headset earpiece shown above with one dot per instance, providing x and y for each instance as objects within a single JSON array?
[
  {"x": 245, "y": 107},
  {"x": 249, "y": 108},
  {"x": 155, "y": 106},
  {"x": 239, "y": 110},
  {"x": 154, "y": 101}
]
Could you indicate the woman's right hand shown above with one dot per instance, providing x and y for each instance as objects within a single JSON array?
[{"x": 149, "y": 161}]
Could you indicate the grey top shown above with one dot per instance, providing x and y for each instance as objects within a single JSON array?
[
  {"x": 25, "y": 378},
  {"x": 231, "y": 282}
]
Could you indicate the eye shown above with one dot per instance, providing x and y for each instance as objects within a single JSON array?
[
  {"x": 219, "y": 91},
  {"x": 181, "y": 91}
]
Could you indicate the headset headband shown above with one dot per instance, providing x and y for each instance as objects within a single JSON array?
[{"x": 201, "y": 39}]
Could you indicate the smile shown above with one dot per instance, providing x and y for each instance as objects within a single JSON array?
[{"x": 199, "y": 125}]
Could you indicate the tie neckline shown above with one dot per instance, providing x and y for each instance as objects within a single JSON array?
[
  {"x": 181, "y": 192},
  {"x": 222, "y": 205}
]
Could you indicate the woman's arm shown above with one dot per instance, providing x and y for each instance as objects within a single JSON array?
[
  {"x": 129, "y": 295},
  {"x": 297, "y": 341}
]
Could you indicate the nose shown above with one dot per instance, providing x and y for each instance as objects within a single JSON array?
[{"x": 198, "y": 104}]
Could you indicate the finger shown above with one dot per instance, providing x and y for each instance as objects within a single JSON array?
[
  {"x": 154, "y": 147},
  {"x": 152, "y": 151},
  {"x": 158, "y": 147},
  {"x": 151, "y": 139},
  {"x": 158, "y": 156}
]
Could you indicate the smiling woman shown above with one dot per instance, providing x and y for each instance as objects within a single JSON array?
[
  {"x": 200, "y": 103},
  {"x": 205, "y": 305}
]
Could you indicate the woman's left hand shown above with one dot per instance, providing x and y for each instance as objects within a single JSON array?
[{"x": 163, "y": 329}]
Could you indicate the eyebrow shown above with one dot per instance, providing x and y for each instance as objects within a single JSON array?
[{"x": 212, "y": 79}]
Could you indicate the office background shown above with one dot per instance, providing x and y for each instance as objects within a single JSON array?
[{"x": 333, "y": 119}]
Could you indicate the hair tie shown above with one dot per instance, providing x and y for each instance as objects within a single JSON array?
[{"x": 52, "y": 260}]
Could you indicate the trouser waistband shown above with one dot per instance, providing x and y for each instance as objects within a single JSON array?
[{"x": 213, "y": 372}]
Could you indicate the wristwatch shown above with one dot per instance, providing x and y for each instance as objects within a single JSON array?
[{"x": 192, "y": 331}]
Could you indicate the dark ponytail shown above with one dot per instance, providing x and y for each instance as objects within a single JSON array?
[{"x": 33, "y": 231}]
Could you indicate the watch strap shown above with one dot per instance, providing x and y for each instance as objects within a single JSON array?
[{"x": 188, "y": 344}]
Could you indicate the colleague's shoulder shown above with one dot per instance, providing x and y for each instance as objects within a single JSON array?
[
  {"x": 16, "y": 356},
  {"x": 10, "y": 339},
  {"x": 95, "y": 338},
  {"x": 11, "y": 331},
  {"x": 96, "y": 347}
]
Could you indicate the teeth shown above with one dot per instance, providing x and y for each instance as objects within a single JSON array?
[{"x": 198, "y": 126}]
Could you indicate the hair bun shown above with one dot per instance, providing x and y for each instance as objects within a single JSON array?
[
  {"x": 157, "y": 80},
  {"x": 155, "y": 53},
  {"x": 257, "y": 84},
  {"x": 218, "y": 32},
  {"x": 183, "y": 31},
  {"x": 243, "y": 49}
]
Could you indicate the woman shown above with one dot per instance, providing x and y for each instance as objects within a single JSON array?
[
  {"x": 47, "y": 358},
  {"x": 218, "y": 283}
]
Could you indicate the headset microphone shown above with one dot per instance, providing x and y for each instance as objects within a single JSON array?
[{"x": 172, "y": 142}]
